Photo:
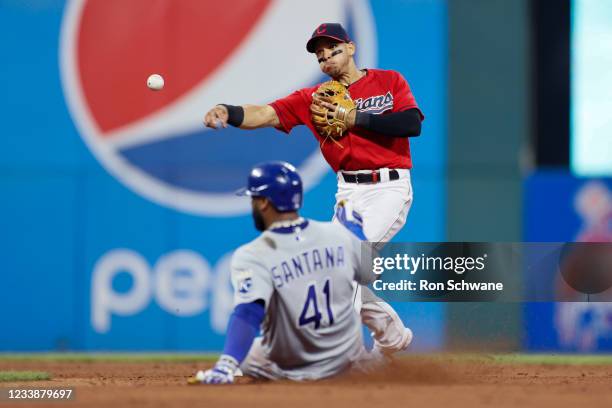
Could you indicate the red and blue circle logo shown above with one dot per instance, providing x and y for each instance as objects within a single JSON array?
[{"x": 209, "y": 52}]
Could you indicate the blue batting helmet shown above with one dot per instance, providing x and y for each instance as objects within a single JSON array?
[{"x": 277, "y": 181}]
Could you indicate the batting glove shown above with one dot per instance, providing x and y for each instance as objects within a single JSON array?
[{"x": 221, "y": 373}]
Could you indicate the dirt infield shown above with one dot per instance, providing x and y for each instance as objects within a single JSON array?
[{"x": 409, "y": 382}]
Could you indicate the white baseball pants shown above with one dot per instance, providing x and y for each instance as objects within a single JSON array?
[
  {"x": 257, "y": 364},
  {"x": 384, "y": 207}
]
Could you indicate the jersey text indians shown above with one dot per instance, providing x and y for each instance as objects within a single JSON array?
[{"x": 375, "y": 104}]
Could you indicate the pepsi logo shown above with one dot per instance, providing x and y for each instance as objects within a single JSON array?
[{"x": 208, "y": 53}]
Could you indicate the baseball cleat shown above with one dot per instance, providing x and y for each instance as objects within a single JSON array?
[
  {"x": 399, "y": 347},
  {"x": 406, "y": 339}
]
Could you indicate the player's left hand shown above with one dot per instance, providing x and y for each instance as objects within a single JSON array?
[
  {"x": 221, "y": 373},
  {"x": 321, "y": 106}
]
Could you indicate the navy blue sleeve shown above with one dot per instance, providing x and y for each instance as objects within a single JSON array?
[
  {"x": 242, "y": 329},
  {"x": 397, "y": 124}
]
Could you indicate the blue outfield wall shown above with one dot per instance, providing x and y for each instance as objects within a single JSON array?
[
  {"x": 117, "y": 214},
  {"x": 562, "y": 208}
]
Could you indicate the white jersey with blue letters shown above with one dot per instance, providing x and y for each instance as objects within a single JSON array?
[{"x": 304, "y": 272}]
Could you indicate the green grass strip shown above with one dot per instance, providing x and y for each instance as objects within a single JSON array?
[
  {"x": 554, "y": 359},
  {"x": 524, "y": 358},
  {"x": 10, "y": 376},
  {"x": 497, "y": 358},
  {"x": 110, "y": 357}
]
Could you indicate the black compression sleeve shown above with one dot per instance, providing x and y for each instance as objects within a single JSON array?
[
  {"x": 397, "y": 124},
  {"x": 235, "y": 114}
]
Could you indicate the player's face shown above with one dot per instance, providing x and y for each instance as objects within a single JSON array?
[{"x": 333, "y": 56}]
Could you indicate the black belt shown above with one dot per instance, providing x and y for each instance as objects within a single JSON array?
[{"x": 372, "y": 177}]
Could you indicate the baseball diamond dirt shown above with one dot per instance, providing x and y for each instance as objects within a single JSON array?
[{"x": 413, "y": 381}]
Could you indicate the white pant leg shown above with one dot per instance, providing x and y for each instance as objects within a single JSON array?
[
  {"x": 384, "y": 208},
  {"x": 258, "y": 365},
  {"x": 390, "y": 334}
]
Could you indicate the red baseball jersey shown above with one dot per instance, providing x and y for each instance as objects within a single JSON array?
[{"x": 379, "y": 92}]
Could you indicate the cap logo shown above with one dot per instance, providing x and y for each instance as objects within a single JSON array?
[{"x": 322, "y": 28}]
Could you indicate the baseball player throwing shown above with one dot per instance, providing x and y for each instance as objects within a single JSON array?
[
  {"x": 295, "y": 282},
  {"x": 362, "y": 120}
]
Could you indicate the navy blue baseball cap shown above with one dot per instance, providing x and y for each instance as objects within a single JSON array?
[{"x": 334, "y": 31}]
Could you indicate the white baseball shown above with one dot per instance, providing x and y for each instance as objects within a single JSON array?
[
  {"x": 155, "y": 82},
  {"x": 200, "y": 375}
]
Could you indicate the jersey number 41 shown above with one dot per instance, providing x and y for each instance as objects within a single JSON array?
[{"x": 310, "y": 312}]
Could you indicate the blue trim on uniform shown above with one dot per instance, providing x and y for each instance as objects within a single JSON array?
[
  {"x": 242, "y": 329},
  {"x": 290, "y": 229},
  {"x": 356, "y": 227}
]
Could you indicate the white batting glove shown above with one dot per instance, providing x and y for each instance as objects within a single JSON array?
[{"x": 222, "y": 373}]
